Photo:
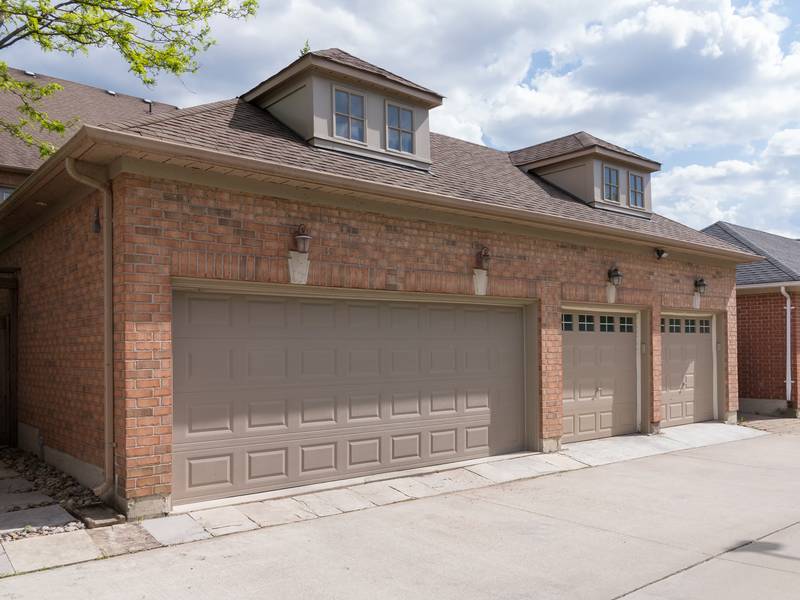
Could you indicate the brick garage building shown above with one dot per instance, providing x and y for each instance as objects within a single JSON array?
[
  {"x": 177, "y": 340},
  {"x": 767, "y": 295}
]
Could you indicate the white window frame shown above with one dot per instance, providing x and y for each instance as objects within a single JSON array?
[
  {"x": 352, "y": 92},
  {"x": 617, "y": 186},
  {"x": 627, "y": 324},
  {"x": 411, "y": 131},
  {"x": 674, "y": 322},
  {"x": 565, "y": 322},
  {"x": 608, "y": 324},
  {"x": 586, "y": 323},
  {"x": 631, "y": 175}
]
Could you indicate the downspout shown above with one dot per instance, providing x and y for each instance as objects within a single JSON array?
[
  {"x": 107, "y": 487},
  {"x": 788, "y": 345}
]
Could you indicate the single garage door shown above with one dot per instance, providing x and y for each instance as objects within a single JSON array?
[
  {"x": 273, "y": 392},
  {"x": 600, "y": 375},
  {"x": 687, "y": 371}
]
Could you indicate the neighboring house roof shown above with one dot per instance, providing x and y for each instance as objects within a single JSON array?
[
  {"x": 568, "y": 144},
  {"x": 90, "y": 105},
  {"x": 781, "y": 255},
  {"x": 459, "y": 169}
]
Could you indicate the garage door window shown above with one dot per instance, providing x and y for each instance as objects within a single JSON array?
[
  {"x": 606, "y": 324},
  {"x": 626, "y": 324},
  {"x": 690, "y": 326},
  {"x": 663, "y": 326},
  {"x": 705, "y": 326},
  {"x": 585, "y": 323},
  {"x": 674, "y": 325},
  {"x": 566, "y": 323}
]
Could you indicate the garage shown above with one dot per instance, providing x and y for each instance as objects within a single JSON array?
[
  {"x": 272, "y": 392},
  {"x": 600, "y": 375},
  {"x": 687, "y": 370}
]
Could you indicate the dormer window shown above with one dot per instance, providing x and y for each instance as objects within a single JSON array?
[
  {"x": 636, "y": 190},
  {"x": 400, "y": 129},
  {"x": 610, "y": 184},
  {"x": 349, "y": 115}
]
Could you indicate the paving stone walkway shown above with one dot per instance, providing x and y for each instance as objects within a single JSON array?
[
  {"x": 23, "y": 509},
  {"x": 226, "y": 517}
]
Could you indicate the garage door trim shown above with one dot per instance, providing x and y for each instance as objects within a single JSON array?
[
  {"x": 220, "y": 286},
  {"x": 599, "y": 308},
  {"x": 714, "y": 353}
]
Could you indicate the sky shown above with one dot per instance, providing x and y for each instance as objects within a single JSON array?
[{"x": 709, "y": 88}]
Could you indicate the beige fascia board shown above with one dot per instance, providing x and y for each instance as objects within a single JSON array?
[
  {"x": 17, "y": 169},
  {"x": 754, "y": 288},
  {"x": 319, "y": 64},
  {"x": 389, "y": 193},
  {"x": 648, "y": 165},
  {"x": 201, "y": 285}
]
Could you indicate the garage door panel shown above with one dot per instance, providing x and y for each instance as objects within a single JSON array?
[
  {"x": 375, "y": 386},
  {"x": 687, "y": 373},
  {"x": 600, "y": 377}
]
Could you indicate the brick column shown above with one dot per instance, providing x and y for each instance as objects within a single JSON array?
[
  {"x": 655, "y": 361},
  {"x": 729, "y": 344},
  {"x": 142, "y": 357},
  {"x": 795, "y": 407},
  {"x": 551, "y": 352}
]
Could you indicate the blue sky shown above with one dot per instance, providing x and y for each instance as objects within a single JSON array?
[{"x": 710, "y": 88}]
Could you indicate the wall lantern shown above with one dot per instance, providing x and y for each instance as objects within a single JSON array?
[
  {"x": 700, "y": 286},
  {"x": 483, "y": 258},
  {"x": 302, "y": 239},
  {"x": 661, "y": 253},
  {"x": 614, "y": 277}
]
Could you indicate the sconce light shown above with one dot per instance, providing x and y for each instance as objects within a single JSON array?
[
  {"x": 96, "y": 222},
  {"x": 483, "y": 258},
  {"x": 700, "y": 286},
  {"x": 661, "y": 253},
  {"x": 302, "y": 239},
  {"x": 614, "y": 276}
]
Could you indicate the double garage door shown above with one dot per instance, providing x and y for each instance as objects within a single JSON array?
[
  {"x": 600, "y": 373},
  {"x": 272, "y": 392}
]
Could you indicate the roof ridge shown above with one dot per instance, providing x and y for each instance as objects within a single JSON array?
[
  {"x": 159, "y": 118},
  {"x": 729, "y": 228}
]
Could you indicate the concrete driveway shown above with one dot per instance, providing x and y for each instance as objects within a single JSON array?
[{"x": 720, "y": 521}]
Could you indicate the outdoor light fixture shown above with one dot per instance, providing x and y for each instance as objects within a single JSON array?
[
  {"x": 661, "y": 253},
  {"x": 483, "y": 258},
  {"x": 614, "y": 276},
  {"x": 302, "y": 239},
  {"x": 700, "y": 286},
  {"x": 96, "y": 222}
]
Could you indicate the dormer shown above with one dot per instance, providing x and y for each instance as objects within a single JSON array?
[
  {"x": 597, "y": 172},
  {"x": 336, "y": 101}
]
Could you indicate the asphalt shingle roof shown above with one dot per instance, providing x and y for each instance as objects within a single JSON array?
[
  {"x": 90, "y": 105},
  {"x": 781, "y": 255},
  {"x": 573, "y": 142},
  {"x": 459, "y": 169}
]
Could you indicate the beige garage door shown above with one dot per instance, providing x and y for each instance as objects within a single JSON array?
[
  {"x": 600, "y": 375},
  {"x": 273, "y": 392},
  {"x": 687, "y": 373}
]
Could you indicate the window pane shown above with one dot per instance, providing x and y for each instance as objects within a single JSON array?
[
  {"x": 662, "y": 325},
  {"x": 392, "y": 115},
  {"x": 342, "y": 126},
  {"x": 407, "y": 142},
  {"x": 357, "y": 106},
  {"x": 566, "y": 322},
  {"x": 405, "y": 120},
  {"x": 674, "y": 325},
  {"x": 357, "y": 129},
  {"x": 689, "y": 326},
  {"x": 341, "y": 102},
  {"x": 394, "y": 139}
]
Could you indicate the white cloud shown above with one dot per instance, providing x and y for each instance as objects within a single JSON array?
[{"x": 763, "y": 193}]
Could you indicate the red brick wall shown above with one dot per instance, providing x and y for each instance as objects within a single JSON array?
[
  {"x": 61, "y": 332},
  {"x": 762, "y": 345},
  {"x": 165, "y": 229}
]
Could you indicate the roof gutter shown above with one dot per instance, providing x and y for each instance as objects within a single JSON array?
[
  {"x": 392, "y": 192},
  {"x": 766, "y": 286},
  {"x": 107, "y": 489}
]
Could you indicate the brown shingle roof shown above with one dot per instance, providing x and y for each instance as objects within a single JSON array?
[
  {"x": 89, "y": 104},
  {"x": 573, "y": 142},
  {"x": 459, "y": 169},
  {"x": 343, "y": 58}
]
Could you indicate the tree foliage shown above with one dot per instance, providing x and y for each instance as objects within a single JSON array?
[{"x": 152, "y": 36}]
